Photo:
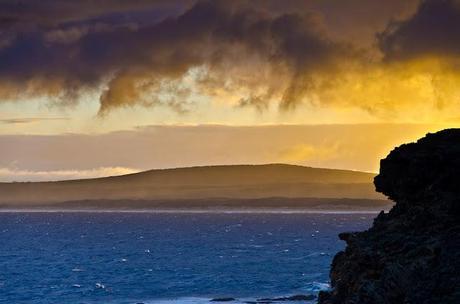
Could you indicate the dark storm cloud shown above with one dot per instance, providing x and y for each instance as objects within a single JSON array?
[
  {"x": 137, "y": 60},
  {"x": 434, "y": 30},
  {"x": 143, "y": 52},
  {"x": 47, "y": 13}
]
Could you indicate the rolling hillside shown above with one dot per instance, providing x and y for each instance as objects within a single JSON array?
[{"x": 199, "y": 183}]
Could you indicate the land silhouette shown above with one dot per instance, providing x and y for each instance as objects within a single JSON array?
[{"x": 238, "y": 186}]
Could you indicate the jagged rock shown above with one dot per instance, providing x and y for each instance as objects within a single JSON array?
[{"x": 412, "y": 254}]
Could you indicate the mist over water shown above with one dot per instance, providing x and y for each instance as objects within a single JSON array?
[{"x": 146, "y": 257}]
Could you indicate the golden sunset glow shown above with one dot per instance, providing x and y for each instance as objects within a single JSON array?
[{"x": 316, "y": 80}]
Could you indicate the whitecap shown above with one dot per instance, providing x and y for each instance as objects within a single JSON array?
[
  {"x": 256, "y": 246},
  {"x": 192, "y": 301},
  {"x": 318, "y": 286},
  {"x": 179, "y": 301}
]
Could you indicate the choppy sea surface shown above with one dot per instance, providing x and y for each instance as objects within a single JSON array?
[{"x": 116, "y": 257}]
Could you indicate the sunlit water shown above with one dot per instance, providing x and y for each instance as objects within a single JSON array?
[{"x": 166, "y": 257}]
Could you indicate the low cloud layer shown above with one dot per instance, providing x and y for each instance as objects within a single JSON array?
[
  {"x": 18, "y": 175},
  {"x": 358, "y": 147}
]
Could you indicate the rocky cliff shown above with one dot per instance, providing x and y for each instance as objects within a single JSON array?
[{"x": 411, "y": 254}]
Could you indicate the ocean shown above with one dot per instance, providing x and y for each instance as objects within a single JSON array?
[{"x": 167, "y": 257}]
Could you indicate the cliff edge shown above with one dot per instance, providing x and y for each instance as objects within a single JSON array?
[{"x": 410, "y": 255}]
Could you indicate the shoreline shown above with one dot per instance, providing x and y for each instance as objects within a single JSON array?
[{"x": 193, "y": 211}]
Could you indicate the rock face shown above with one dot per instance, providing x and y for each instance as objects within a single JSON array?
[{"x": 410, "y": 255}]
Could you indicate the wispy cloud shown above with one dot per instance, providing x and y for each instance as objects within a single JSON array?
[
  {"x": 25, "y": 120},
  {"x": 12, "y": 174}
]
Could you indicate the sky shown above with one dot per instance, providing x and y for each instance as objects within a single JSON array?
[{"x": 97, "y": 88}]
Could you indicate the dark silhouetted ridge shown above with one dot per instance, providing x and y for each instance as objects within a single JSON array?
[{"x": 412, "y": 254}]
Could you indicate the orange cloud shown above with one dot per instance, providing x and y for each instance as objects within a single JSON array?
[{"x": 302, "y": 153}]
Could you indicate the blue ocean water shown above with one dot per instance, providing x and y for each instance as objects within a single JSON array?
[{"x": 112, "y": 257}]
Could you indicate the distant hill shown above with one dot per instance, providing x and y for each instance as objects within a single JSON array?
[{"x": 235, "y": 182}]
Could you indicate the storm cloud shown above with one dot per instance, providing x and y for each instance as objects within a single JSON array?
[
  {"x": 434, "y": 30},
  {"x": 247, "y": 53},
  {"x": 142, "y": 61}
]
